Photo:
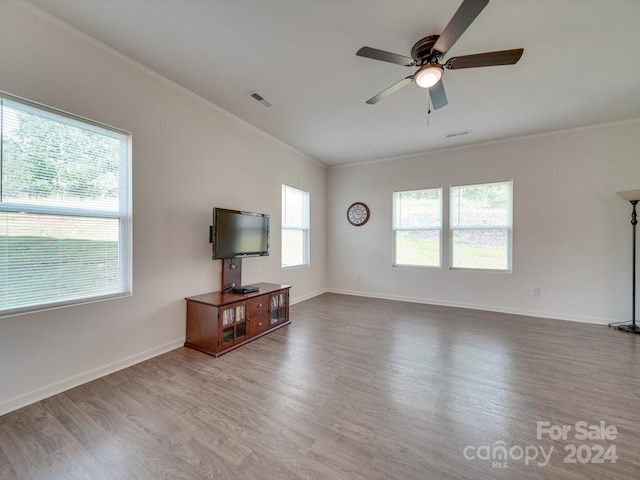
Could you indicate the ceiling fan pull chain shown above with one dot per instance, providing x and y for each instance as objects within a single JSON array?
[{"x": 428, "y": 106}]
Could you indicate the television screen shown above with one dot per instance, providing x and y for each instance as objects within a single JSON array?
[{"x": 239, "y": 234}]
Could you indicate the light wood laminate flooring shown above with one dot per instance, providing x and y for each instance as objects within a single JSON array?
[{"x": 355, "y": 389}]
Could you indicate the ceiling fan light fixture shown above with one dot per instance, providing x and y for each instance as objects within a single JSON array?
[{"x": 428, "y": 75}]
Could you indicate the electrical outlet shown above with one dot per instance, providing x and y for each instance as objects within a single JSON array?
[
  {"x": 535, "y": 292},
  {"x": 358, "y": 278}
]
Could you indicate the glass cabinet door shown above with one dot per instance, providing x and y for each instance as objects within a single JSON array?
[
  {"x": 228, "y": 316},
  {"x": 240, "y": 316},
  {"x": 233, "y": 324},
  {"x": 241, "y": 322},
  {"x": 227, "y": 335},
  {"x": 241, "y": 330},
  {"x": 273, "y": 310},
  {"x": 282, "y": 307},
  {"x": 278, "y": 307}
]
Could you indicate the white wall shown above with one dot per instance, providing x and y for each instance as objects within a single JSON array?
[
  {"x": 572, "y": 233},
  {"x": 188, "y": 156}
]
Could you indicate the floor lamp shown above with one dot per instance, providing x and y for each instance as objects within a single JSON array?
[{"x": 632, "y": 196}]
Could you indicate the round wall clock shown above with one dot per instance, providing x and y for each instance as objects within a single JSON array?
[{"x": 358, "y": 214}]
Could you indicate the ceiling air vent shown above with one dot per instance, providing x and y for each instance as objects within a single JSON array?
[
  {"x": 259, "y": 98},
  {"x": 458, "y": 134}
]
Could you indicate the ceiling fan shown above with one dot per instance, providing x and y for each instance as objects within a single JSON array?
[{"x": 427, "y": 53}]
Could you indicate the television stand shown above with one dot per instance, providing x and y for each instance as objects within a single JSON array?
[{"x": 222, "y": 321}]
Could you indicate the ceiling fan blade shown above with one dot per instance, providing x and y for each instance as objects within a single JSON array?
[
  {"x": 438, "y": 96},
  {"x": 392, "y": 89},
  {"x": 464, "y": 16},
  {"x": 489, "y": 59},
  {"x": 376, "y": 54}
]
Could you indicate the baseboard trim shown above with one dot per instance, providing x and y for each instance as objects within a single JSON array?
[
  {"x": 307, "y": 297},
  {"x": 474, "y": 306},
  {"x": 34, "y": 396}
]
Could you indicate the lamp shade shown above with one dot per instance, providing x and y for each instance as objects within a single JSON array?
[
  {"x": 428, "y": 75},
  {"x": 630, "y": 195}
]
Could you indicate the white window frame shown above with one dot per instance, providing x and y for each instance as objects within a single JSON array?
[
  {"x": 396, "y": 229},
  {"x": 303, "y": 226},
  {"x": 123, "y": 215},
  {"x": 508, "y": 227}
]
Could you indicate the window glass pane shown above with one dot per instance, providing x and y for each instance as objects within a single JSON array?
[
  {"x": 293, "y": 245},
  {"x": 50, "y": 259},
  {"x": 418, "y": 247},
  {"x": 293, "y": 207},
  {"x": 417, "y": 226},
  {"x": 418, "y": 208},
  {"x": 481, "y": 218},
  {"x": 485, "y": 249},
  {"x": 481, "y": 205},
  {"x": 47, "y": 161},
  {"x": 295, "y": 226}
]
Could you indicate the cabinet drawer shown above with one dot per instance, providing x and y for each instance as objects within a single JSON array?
[
  {"x": 258, "y": 324},
  {"x": 257, "y": 306}
]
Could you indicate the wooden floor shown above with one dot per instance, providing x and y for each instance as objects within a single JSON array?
[{"x": 354, "y": 388}]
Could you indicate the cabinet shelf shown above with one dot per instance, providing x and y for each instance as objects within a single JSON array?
[{"x": 219, "y": 322}]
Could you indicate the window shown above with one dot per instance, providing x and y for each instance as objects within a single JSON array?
[
  {"x": 295, "y": 227},
  {"x": 65, "y": 212},
  {"x": 481, "y": 219},
  {"x": 417, "y": 227}
]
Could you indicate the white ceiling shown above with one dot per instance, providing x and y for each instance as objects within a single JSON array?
[{"x": 580, "y": 66}]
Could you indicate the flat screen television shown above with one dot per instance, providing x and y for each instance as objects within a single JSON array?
[{"x": 237, "y": 234}]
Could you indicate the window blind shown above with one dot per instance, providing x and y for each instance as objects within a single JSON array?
[{"x": 65, "y": 211}]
